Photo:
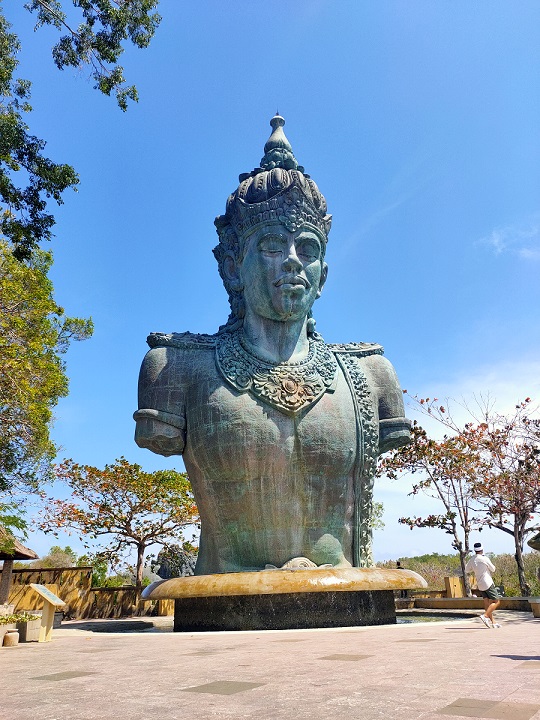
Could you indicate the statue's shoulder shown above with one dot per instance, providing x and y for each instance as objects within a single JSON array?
[
  {"x": 182, "y": 341},
  {"x": 359, "y": 349}
]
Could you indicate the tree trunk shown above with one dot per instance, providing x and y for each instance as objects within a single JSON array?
[
  {"x": 5, "y": 581},
  {"x": 463, "y": 562},
  {"x": 464, "y": 551},
  {"x": 462, "y": 558},
  {"x": 140, "y": 566},
  {"x": 518, "y": 542}
]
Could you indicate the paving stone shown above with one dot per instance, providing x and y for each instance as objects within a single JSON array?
[
  {"x": 223, "y": 687},
  {"x": 513, "y": 711},
  {"x": 340, "y": 656},
  {"x": 67, "y": 675},
  {"x": 490, "y": 710}
]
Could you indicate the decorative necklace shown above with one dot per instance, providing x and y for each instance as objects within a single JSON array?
[{"x": 289, "y": 387}]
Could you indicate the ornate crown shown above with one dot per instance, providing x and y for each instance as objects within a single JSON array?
[{"x": 279, "y": 191}]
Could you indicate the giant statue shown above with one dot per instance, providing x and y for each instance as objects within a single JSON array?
[{"x": 279, "y": 431}]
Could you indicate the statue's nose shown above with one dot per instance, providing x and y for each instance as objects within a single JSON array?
[{"x": 292, "y": 262}]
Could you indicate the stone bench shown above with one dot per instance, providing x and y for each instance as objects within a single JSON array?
[{"x": 534, "y": 602}]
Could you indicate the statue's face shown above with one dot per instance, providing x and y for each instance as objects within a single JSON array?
[{"x": 282, "y": 272}]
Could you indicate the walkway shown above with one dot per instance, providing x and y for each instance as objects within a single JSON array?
[{"x": 450, "y": 668}]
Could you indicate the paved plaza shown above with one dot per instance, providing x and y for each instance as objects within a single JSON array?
[{"x": 450, "y": 668}]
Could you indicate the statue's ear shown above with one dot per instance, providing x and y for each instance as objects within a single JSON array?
[
  {"x": 231, "y": 272},
  {"x": 324, "y": 275}
]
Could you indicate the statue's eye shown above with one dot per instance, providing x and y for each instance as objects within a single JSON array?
[
  {"x": 309, "y": 249},
  {"x": 271, "y": 245}
]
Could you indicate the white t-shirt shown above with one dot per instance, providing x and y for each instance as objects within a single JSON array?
[{"x": 482, "y": 567}]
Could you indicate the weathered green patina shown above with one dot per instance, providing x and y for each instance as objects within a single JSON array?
[{"x": 279, "y": 431}]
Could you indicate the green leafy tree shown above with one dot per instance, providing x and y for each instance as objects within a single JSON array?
[
  {"x": 11, "y": 524},
  {"x": 28, "y": 179},
  {"x": 34, "y": 334},
  {"x": 100, "y": 567},
  {"x": 97, "y": 41},
  {"x": 57, "y": 557},
  {"x": 121, "y": 507}
]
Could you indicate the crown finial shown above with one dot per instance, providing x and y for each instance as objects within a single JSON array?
[{"x": 278, "y": 150}]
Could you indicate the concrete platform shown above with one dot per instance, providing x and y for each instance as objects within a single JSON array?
[{"x": 449, "y": 668}]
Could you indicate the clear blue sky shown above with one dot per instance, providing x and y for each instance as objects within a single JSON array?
[{"x": 418, "y": 120}]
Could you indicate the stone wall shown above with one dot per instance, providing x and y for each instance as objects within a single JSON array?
[
  {"x": 116, "y": 603},
  {"x": 70, "y": 584},
  {"x": 74, "y": 586}
]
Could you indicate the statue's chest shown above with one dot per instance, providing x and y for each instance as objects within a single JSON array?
[{"x": 236, "y": 436}]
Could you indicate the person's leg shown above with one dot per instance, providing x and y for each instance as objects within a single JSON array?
[
  {"x": 490, "y": 607},
  {"x": 484, "y": 618}
]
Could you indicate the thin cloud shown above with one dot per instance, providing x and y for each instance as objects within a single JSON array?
[
  {"x": 405, "y": 184},
  {"x": 502, "y": 385},
  {"x": 529, "y": 253},
  {"x": 522, "y": 240}
]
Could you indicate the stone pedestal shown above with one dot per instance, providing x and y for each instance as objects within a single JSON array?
[
  {"x": 284, "y": 611},
  {"x": 285, "y": 599}
]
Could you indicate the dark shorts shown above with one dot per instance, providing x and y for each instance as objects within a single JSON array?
[{"x": 491, "y": 593}]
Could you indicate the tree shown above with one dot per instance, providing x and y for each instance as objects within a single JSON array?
[
  {"x": 448, "y": 470},
  {"x": 121, "y": 506},
  {"x": 11, "y": 523},
  {"x": 501, "y": 468},
  {"x": 57, "y": 557},
  {"x": 97, "y": 41},
  {"x": 28, "y": 179},
  {"x": 509, "y": 492},
  {"x": 34, "y": 333}
]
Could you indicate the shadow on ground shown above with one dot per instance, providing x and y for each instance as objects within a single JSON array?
[{"x": 111, "y": 626}]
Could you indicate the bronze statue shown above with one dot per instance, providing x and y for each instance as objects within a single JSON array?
[{"x": 279, "y": 431}]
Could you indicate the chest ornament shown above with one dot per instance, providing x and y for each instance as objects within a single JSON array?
[{"x": 288, "y": 387}]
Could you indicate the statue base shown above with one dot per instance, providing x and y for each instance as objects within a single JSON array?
[
  {"x": 284, "y": 599},
  {"x": 287, "y": 611}
]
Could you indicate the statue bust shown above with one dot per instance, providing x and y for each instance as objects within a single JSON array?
[{"x": 279, "y": 430}]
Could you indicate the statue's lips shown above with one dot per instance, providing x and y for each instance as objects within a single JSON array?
[{"x": 290, "y": 282}]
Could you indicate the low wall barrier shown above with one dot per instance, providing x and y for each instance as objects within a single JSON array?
[
  {"x": 116, "y": 603},
  {"x": 525, "y": 604},
  {"x": 74, "y": 586}
]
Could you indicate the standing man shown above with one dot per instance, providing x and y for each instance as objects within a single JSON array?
[{"x": 482, "y": 567}]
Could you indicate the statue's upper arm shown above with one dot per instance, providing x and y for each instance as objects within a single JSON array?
[
  {"x": 160, "y": 418},
  {"x": 394, "y": 428}
]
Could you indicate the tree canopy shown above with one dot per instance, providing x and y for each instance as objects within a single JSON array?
[
  {"x": 122, "y": 508},
  {"x": 34, "y": 334},
  {"x": 28, "y": 179},
  {"x": 485, "y": 472},
  {"x": 97, "y": 41},
  {"x": 447, "y": 471},
  {"x": 57, "y": 557},
  {"x": 509, "y": 493}
]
